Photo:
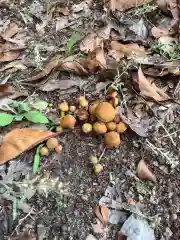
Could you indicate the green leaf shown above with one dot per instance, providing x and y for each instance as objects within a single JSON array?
[
  {"x": 37, "y": 159},
  {"x": 40, "y": 105},
  {"x": 18, "y": 117},
  {"x": 23, "y": 107},
  {"x": 5, "y": 119},
  {"x": 36, "y": 117},
  {"x": 14, "y": 208}
]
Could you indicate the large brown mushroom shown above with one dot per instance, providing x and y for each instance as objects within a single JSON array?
[
  {"x": 105, "y": 112},
  {"x": 68, "y": 121},
  {"x": 99, "y": 127}
]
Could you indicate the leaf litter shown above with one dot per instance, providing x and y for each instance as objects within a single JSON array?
[{"x": 92, "y": 55}]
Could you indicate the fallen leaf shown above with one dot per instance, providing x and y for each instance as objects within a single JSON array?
[
  {"x": 123, "y": 5},
  {"x": 128, "y": 49},
  {"x": 90, "y": 43},
  {"x": 21, "y": 140},
  {"x": 98, "y": 227},
  {"x": 54, "y": 84},
  {"x": 100, "y": 57},
  {"x": 144, "y": 173},
  {"x": 91, "y": 237},
  {"x": 73, "y": 64},
  {"x": 18, "y": 65},
  {"x": 140, "y": 29},
  {"x": 148, "y": 88},
  {"x": 159, "y": 32},
  {"x": 61, "y": 23},
  {"x": 170, "y": 6},
  {"x": 18, "y": 94},
  {"x": 64, "y": 10},
  {"x": 101, "y": 213},
  {"x": 46, "y": 70},
  {"x": 117, "y": 55},
  {"x": 6, "y": 90},
  {"x": 11, "y": 30},
  {"x": 167, "y": 40},
  {"x": 9, "y": 56}
]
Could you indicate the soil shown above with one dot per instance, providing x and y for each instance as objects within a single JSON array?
[{"x": 67, "y": 212}]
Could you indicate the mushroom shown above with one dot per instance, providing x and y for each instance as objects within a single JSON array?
[
  {"x": 58, "y": 149},
  {"x": 52, "y": 143},
  {"x": 87, "y": 127},
  {"x": 111, "y": 126},
  {"x": 99, "y": 127},
  {"x": 64, "y": 107},
  {"x": 121, "y": 127},
  {"x": 105, "y": 112},
  {"x": 44, "y": 151},
  {"x": 98, "y": 168},
  {"x": 68, "y": 121},
  {"x": 112, "y": 139},
  {"x": 92, "y": 107},
  {"x": 59, "y": 129},
  {"x": 83, "y": 102}
]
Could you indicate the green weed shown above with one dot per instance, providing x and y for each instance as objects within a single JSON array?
[
  {"x": 170, "y": 52},
  {"x": 72, "y": 43}
]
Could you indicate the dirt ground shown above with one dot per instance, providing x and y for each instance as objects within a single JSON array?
[{"x": 64, "y": 211}]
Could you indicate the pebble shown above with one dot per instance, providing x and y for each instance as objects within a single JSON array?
[
  {"x": 174, "y": 216},
  {"x": 141, "y": 198}
]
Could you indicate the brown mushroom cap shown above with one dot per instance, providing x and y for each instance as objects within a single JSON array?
[
  {"x": 99, "y": 127},
  {"x": 92, "y": 107},
  {"x": 111, "y": 126},
  {"x": 52, "y": 143},
  {"x": 121, "y": 127},
  {"x": 68, "y": 121},
  {"x": 105, "y": 112},
  {"x": 112, "y": 139}
]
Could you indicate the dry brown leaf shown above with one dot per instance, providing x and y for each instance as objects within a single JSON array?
[
  {"x": 64, "y": 10},
  {"x": 47, "y": 69},
  {"x": 18, "y": 65},
  {"x": 98, "y": 227},
  {"x": 128, "y": 49},
  {"x": 61, "y": 23},
  {"x": 123, "y": 5},
  {"x": 73, "y": 65},
  {"x": 90, "y": 43},
  {"x": 102, "y": 213},
  {"x": 100, "y": 57},
  {"x": 117, "y": 55},
  {"x": 54, "y": 84},
  {"x": 21, "y": 140},
  {"x": 9, "y": 56},
  {"x": 11, "y": 30},
  {"x": 168, "y": 40},
  {"x": 159, "y": 32},
  {"x": 18, "y": 94},
  {"x": 144, "y": 173},
  {"x": 148, "y": 88},
  {"x": 6, "y": 90},
  {"x": 170, "y": 5}
]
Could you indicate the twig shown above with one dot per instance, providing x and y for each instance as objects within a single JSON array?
[
  {"x": 22, "y": 220},
  {"x": 170, "y": 134},
  {"x": 102, "y": 154}
]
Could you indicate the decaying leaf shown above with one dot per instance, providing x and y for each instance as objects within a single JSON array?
[
  {"x": 144, "y": 173},
  {"x": 102, "y": 213},
  {"x": 90, "y": 43},
  {"x": 91, "y": 237},
  {"x": 170, "y": 6},
  {"x": 100, "y": 57},
  {"x": 21, "y": 140},
  {"x": 61, "y": 23},
  {"x": 131, "y": 49},
  {"x": 64, "y": 10},
  {"x": 123, "y": 5},
  {"x": 159, "y": 32},
  {"x": 148, "y": 88},
  {"x": 11, "y": 30},
  {"x": 9, "y": 56},
  {"x": 6, "y": 90},
  {"x": 18, "y": 65},
  {"x": 73, "y": 64},
  {"x": 47, "y": 69},
  {"x": 98, "y": 227},
  {"x": 53, "y": 84}
]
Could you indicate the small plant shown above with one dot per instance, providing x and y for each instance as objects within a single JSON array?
[
  {"x": 144, "y": 9},
  {"x": 71, "y": 43},
  {"x": 170, "y": 52},
  {"x": 25, "y": 110}
]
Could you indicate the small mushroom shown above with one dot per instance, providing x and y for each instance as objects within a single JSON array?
[
  {"x": 64, "y": 107},
  {"x": 58, "y": 149},
  {"x": 83, "y": 102},
  {"x": 68, "y": 121},
  {"x": 93, "y": 160},
  {"x": 82, "y": 114},
  {"x": 111, "y": 126},
  {"x": 92, "y": 107},
  {"x": 44, "y": 151},
  {"x": 114, "y": 94},
  {"x": 121, "y": 127},
  {"x": 72, "y": 108},
  {"x": 105, "y": 112},
  {"x": 112, "y": 139},
  {"x": 59, "y": 129},
  {"x": 87, "y": 127},
  {"x": 99, "y": 127},
  {"x": 52, "y": 143},
  {"x": 98, "y": 168}
]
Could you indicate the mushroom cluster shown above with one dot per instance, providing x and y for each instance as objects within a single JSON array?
[
  {"x": 51, "y": 144},
  {"x": 98, "y": 116}
]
